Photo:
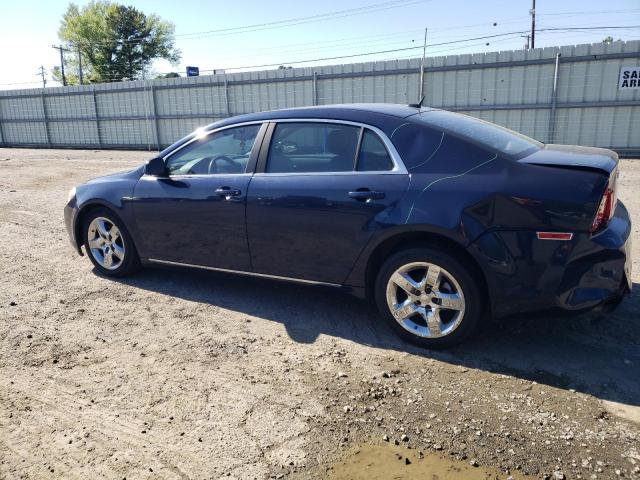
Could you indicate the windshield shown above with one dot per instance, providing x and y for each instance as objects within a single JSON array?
[{"x": 495, "y": 137}]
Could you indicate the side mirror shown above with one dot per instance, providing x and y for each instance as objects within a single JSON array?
[{"x": 156, "y": 167}]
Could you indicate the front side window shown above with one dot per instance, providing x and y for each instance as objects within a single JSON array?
[
  {"x": 313, "y": 147},
  {"x": 226, "y": 151}
]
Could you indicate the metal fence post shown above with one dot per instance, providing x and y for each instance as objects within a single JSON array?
[
  {"x": 46, "y": 118},
  {"x": 226, "y": 95},
  {"x": 554, "y": 101},
  {"x": 97, "y": 117},
  {"x": 2, "y": 134},
  {"x": 156, "y": 120},
  {"x": 315, "y": 88}
]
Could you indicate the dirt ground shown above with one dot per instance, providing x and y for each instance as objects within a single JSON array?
[{"x": 183, "y": 374}]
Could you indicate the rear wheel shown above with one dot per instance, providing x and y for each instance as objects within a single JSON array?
[
  {"x": 429, "y": 297},
  {"x": 109, "y": 245}
]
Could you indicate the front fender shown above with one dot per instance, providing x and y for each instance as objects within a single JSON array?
[{"x": 113, "y": 192}]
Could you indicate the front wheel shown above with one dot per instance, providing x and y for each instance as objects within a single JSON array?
[
  {"x": 109, "y": 245},
  {"x": 429, "y": 297}
]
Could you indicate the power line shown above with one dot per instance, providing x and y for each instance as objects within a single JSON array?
[
  {"x": 367, "y": 53},
  {"x": 300, "y": 20},
  {"x": 600, "y": 12},
  {"x": 308, "y": 19},
  {"x": 378, "y": 7},
  {"x": 509, "y": 35},
  {"x": 582, "y": 29},
  {"x": 418, "y": 47}
]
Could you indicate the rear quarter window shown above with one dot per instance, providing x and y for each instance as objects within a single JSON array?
[
  {"x": 430, "y": 150},
  {"x": 415, "y": 143},
  {"x": 484, "y": 134}
]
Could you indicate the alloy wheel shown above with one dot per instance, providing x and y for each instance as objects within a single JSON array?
[
  {"x": 106, "y": 243},
  {"x": 425, "y": 299}
]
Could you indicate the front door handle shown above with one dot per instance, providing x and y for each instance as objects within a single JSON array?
[
  {"x": 227, "y": 192},
  {"x": 364, "y": 195}
]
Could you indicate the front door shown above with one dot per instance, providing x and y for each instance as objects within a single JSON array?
[
  {"x": 325, "y": 188},
  {"x": 196, "y": 215}
]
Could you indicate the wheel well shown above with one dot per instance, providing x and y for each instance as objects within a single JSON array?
[
  {"x": 420, "y": 239},
  {"x": 82, "y": 215}
]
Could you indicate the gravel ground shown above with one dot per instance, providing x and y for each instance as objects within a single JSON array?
[{"x": 183, "y": 374}]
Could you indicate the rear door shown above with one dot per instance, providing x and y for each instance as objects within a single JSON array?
[
  {"x": 321, "y": 189},
  {"x": 196, "y": 215}
]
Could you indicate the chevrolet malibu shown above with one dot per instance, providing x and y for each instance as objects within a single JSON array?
[{"x": 442, "y": 220}]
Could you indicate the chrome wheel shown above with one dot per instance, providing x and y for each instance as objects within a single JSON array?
[
  {"x": 105, "y": 242},
  {"x": 425, "y": 299}
]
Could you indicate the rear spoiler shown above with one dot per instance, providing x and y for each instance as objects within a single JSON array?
[{"x": 568, "y": 156}]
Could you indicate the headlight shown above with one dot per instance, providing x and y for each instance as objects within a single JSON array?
[{"x": 72, "y": 193}]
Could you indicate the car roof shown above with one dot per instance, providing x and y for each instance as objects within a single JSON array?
[
  {"x": 369, "y": 113},
  {"x": 385, "y": 116}
]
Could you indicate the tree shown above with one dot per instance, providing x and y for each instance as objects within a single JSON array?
[
  {"x": 169, "y": 75},
  {"x": 609, "y": 40},
  {"x": 115, "y": 42}
]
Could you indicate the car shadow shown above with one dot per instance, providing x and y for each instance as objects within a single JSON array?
[{"x": 592, "y": 353}]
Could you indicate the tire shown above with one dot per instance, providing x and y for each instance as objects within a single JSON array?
[
  {"x": 98, "y": 231},
  {"x": 439, "y": 308}
]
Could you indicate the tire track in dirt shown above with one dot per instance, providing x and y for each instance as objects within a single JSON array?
[{"x": 107, "y": 424}]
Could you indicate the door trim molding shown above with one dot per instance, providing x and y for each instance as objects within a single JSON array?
[{"x": 241, "y": 272}]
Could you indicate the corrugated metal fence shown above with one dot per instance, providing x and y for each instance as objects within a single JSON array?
[{"x": 571, "y": 98}]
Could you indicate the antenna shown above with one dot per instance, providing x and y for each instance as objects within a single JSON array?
[{"x": 419, "y": 104}]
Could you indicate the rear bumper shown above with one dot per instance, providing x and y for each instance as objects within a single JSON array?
[{"x": 525, "y": 274}]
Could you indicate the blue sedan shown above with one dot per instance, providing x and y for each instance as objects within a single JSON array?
[{"x": 441, "y": 219}]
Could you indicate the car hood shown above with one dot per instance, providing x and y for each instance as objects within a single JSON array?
[
  {"x": 126, "y": 175},
  {"x": 571, "y": 156}
]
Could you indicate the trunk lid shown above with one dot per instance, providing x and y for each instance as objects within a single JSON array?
[{"x": 583, "y": 185}]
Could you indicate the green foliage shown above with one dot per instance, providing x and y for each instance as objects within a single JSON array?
[
  {"x": 116, "y": 42},
  {"x": 70, "y": 74},
  {"x": 169, "y": 75},
  {"x": 609, "y": 40}
]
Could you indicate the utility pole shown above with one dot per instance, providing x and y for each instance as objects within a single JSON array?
[
  {"x": 533, "y": 23},
  {"x": 424, "y": 54},
  {"x": 80, "y": 65},
  {"x": 44, "y": 78},
  {"x": 62, "y": 49}
]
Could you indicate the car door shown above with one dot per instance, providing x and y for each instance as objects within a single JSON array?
[
  {"x": 321, "y": 189},
  {"x": 196, "y": 214}
]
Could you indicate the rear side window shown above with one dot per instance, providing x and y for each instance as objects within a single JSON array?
[
  {"x": 313, "y": 147},
  {"x": 373, "y": 156},
  {"x": 484, "y": 133}
]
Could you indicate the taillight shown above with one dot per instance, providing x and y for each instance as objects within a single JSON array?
[{"x": 605, "y": 210}]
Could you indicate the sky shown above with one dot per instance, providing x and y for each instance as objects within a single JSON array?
[{"x": 29, "y": 28}]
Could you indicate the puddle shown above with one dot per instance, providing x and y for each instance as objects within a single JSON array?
[{"x": 371, "y": 462}]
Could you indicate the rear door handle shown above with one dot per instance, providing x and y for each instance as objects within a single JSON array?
[
  {"x": 227, "y": 192},
  {"x": 364, "y": 195}
]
